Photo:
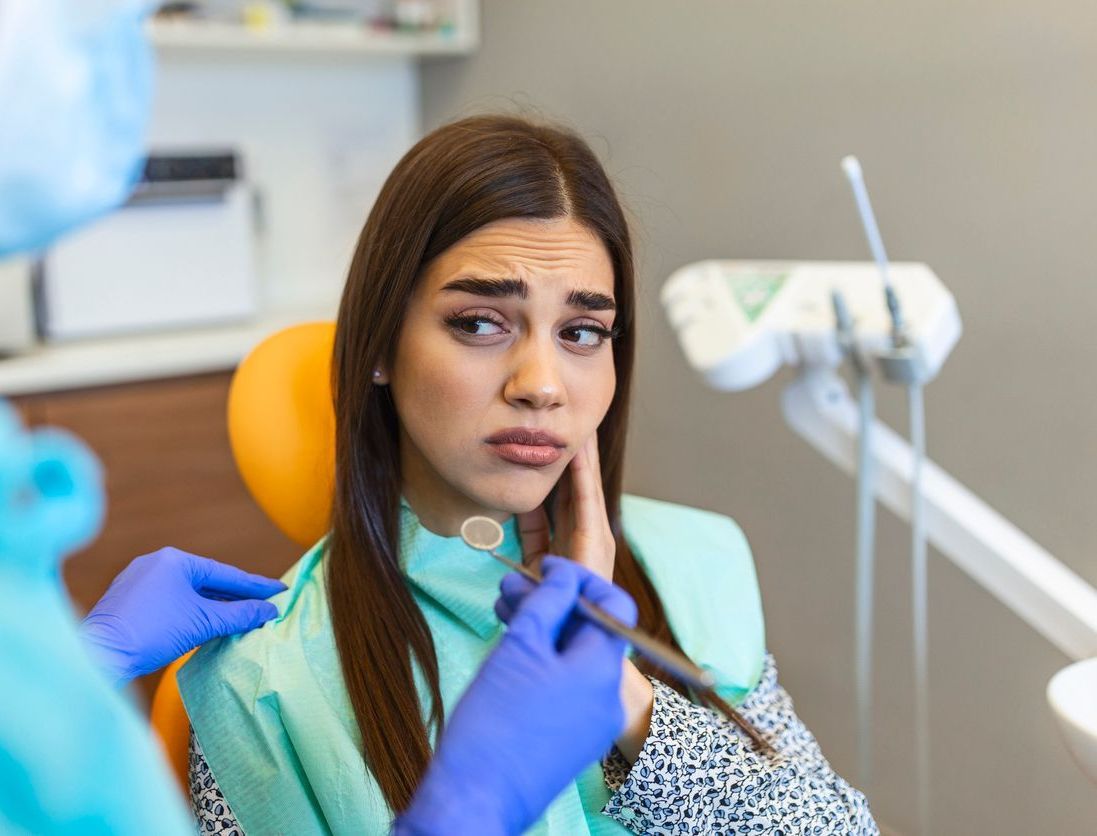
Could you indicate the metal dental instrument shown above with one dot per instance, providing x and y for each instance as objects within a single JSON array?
[{"x": 486, "y": 535}]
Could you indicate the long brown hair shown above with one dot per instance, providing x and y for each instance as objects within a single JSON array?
[{"x": 454, "y": 181}]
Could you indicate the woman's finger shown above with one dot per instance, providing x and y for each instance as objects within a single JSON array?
[
  {"x": 562, "y": 503},
  {"x": 584, "y": 492},
  {"x": 591, "y": 543},
  {"x": 533, "y": 531},
  {"x": 596, "y": 469},
  {"x": 562, "y": 522}
]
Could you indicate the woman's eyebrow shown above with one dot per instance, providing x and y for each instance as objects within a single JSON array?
[
  {"x": 589, "y": 300},
  {"x": 495, "y": 288}
]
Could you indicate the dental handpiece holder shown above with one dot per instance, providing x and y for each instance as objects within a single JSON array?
[{"x": 740, "y": 321}]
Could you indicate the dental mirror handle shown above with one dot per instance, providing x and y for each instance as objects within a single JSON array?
[{"x": 661, "y": 654}]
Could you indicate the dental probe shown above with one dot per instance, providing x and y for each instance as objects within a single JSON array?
[{"x": 486, "y": 535}]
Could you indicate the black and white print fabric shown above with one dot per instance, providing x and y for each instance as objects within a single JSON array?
[
  {"x": 210, "y": 808},
  {"x": 696, "y": 774},
  {"x": 699, "y": 773}
]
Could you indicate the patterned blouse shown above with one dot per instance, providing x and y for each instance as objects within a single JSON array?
[{"x": 696, "y": 773}]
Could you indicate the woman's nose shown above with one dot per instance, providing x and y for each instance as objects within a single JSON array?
[{"x": 535, "y": 379}]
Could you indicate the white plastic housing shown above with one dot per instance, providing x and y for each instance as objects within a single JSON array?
[{"x": 740, "y": 321}]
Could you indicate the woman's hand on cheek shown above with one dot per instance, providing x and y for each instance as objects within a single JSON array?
[{"x": 582, "y": 530}]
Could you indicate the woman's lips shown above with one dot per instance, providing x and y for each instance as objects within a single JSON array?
[
  {"x": 533, "y": 455},
  {"x": 533, "y": 448}
]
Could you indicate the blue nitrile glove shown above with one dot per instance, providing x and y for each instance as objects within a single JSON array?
[
  {"x": 545, "y": 705},
  {"x": 168, "y": 602}
]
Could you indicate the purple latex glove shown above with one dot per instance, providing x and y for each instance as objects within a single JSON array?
[
  {"x": 545, "y": 705},
  {"x": 168, "y": 602}
]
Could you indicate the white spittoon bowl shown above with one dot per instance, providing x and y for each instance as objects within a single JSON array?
[{"x": 1072, "y": 695}]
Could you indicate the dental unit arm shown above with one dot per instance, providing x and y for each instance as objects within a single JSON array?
[{"x": 738, "y": 322}]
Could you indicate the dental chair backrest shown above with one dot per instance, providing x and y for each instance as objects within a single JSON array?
[
  {"x": 282, "y": 432},
  {"x": 282, "y": 428}
]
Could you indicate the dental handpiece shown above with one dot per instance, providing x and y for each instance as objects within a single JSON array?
[{"x": 486, "y": 535}]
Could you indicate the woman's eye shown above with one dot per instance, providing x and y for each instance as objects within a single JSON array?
[
  {"x": 475, "y": 326},
  {"x": 586, "y": 336}
]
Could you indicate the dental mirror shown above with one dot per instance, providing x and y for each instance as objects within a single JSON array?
[{"x": 482, "y": 533}]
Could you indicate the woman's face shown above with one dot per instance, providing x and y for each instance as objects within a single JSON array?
[{"x": 503, "y": 368}]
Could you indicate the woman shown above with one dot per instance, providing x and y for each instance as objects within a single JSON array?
[{"x": 482, "y": 365}]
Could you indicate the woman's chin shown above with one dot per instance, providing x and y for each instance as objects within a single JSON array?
[{"x": 517, "y": 499}]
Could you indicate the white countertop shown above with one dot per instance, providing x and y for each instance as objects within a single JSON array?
[{"x": 77, "y": 365}]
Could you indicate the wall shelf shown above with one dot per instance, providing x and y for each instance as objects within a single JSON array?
[
  {"x": 183, "y": 36},
  {"x": 60, "y": 367}
]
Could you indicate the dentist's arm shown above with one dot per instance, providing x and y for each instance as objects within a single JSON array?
[
  {"x": 545, "y": 705},
  {"x": 167, "y": 603}
]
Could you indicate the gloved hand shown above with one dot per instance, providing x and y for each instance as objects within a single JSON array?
[
  {"x": 545, "y": 705},
  {"x": 168, "y": 602}
]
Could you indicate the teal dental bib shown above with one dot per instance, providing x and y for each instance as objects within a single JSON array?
[{"x": 274, "y": 721}]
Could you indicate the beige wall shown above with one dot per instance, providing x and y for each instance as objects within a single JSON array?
[{"x": 723, "y": 123}]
